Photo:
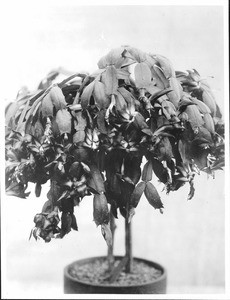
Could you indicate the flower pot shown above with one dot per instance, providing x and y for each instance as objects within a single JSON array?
[{"x": 74, "y": 285}]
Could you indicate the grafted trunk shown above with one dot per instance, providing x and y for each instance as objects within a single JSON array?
[
  {"x": 128, "y": 245},
  {"x": 110, "y": 254},
  {"x": 127, "y": 261}
]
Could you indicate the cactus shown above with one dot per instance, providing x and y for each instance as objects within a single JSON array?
[{"x": 89, "y": 134}]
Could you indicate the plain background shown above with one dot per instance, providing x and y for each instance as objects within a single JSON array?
[{"x": 189, "y": 238}]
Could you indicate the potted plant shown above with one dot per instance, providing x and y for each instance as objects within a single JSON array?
[{"x": 105, "y": 135}]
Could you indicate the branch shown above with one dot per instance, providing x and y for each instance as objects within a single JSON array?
[{"x": 117, "y": 270}]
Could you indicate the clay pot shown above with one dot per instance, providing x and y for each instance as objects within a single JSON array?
[{"x": 73, "y": 285}]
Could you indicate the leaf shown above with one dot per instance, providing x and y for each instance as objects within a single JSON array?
[
  {"x": 10, "y": 112},
  {"x": 177, "y": 91},
  {"x": 173, "y": 98},
  {"x": 165, "y": 65},
  {"x": 199, "y": 141},
  {"x": 75, "y": 107},
  {"x": 101, "y": 122},
  {"x": 55, "y": 130},
  {"x": 208, "y": 123},
  {"x": 114, "y": 57},
  {"x": 76, "y": 170},
  {"x": 185, "y": 101},
  {"x": 47, "y": 106},
  {"x": 135, "y": 54},
  {"x": 81, "y": 154},
  {"x": 64, "y": 195},
  {"x": 176, "y": 86},
  {"x": 36, "y": 100},
  {"x": 47, "y": 207},
  {"x": 111, "y": 81},
  {"x": 204, "y": 109},
  {"x": 85, "y": 167},
  {"x": 74, "y": 223},
  {"x": 153, "y": 90},
  {"x": 110, "y": 108},
  {"x": 79, "y": 136},
  {"x": 22, "y": 116},
  {"x": 17, "y": 189},
  {"x": 209, "y": 100},
  {"x": 159, "y": 170},
  {"x": 165, "y": 109},
  {"x": 147, "y": 171},
  {"x": 107, "y": 234},
  {"x": 123, "y": 74},
  {"x": 91, "y": 187},
  {"x": 139, "y": 121},
  {"x": 192, "y": 190},
  {"x": 11, "y": 154},
  {"x": 152, "y": 196},
  {"x": 36, "y": 130},
  {"x": 137, "y": 193},
  {"x": 81, "y": 122},
  {"x": 86, "y": 95},
  {"x": 31, "y": 233},
  {"x": 120, "y": 103},
  {"x": 36, "y": 233},
  {"x": 128, "y": 180},
  {"x": 194, "y": 116},
  {"x": 150, "y": 60},
  {"x": 103, "y": 62},
  {"x": 63, "y": 119},
  {"x": 57, "y": 98},
  {"x": 132, "y": 168},
  {"x": 101, "y": 99},
  {"x": 147, "y": 131},
  {"x": 161, "y": 81},
  {"x": 142, "y": 75},
  {"x": 128, "y": 98},
  {"x": 66, "y": 222},
  {"x": 131, "y": 213},
  {"x": 183, "y": 116},
  {"x": 171, "y": 109},
  {"x": 204, "y": 133},
  {"x": 38, "y": 189},
  {"x": 164, "y": 149},
  {"x": 200, "y": 158},
  {"x": 62, "y": 83},
  {"x": 100, "y": 209},
  {"x": 183, "y": 150},
  {"x": 125, "y": 179},
  {"x": 97, "y": 179},
  {"x": 126, "y": 94}
]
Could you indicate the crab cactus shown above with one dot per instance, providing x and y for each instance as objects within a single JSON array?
[{"x": 106, "y": 134}]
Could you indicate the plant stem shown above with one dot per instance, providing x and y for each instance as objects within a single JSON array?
[
  {"x": 110, "y": 255},
  {"x": 128, "y": 245},
  {"x": 127, "y": 260},
  {"x": 117, "y": 270}
]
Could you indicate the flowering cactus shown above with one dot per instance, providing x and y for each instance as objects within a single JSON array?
[{"x": 90, "y": 134}]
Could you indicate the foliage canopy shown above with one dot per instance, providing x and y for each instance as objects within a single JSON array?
[{"x": 88, "y": 135}]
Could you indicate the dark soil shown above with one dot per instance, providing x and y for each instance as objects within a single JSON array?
[{"x": 96, "y": 272}]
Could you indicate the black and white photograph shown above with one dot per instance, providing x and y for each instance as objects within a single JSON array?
[{"x": 115, "y": 122}]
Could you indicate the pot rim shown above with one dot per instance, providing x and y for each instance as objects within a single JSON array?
[{"x": 149, "y": 262}]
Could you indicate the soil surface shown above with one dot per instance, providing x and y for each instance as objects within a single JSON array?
[{"x": 96, "y": 272}]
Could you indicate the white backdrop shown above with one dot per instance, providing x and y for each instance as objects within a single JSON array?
[{"x": 188, "y": 239}]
